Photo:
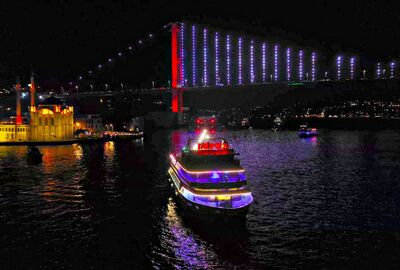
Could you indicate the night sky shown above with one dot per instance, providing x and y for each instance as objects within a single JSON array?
[{"x": 61, "y": 39}]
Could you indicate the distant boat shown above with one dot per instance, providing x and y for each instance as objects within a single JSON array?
[
  {"x": 277, "y": 124},
  {"x": 34, "y": 155},
  {"x": 307, "y": 132}
]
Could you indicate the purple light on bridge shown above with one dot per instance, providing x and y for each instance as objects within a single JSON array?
[
  {"x": 182, "y": 54},
  {"x": 352, "y": 68},
  {"x": 252, "y": 77},
  {"x": 264, "y": 61},
  {"x": 378, "y": 70},
  {"x": 216, "y": 58},
  {"x": 313, "y": 66},
  {"x": 194, "y": 55},
  {"x": 276, "y": 56},
  {"x": 205, "y": 71},
  {"x": 240, "y": 61},
  {"x": 301, "y": 65},
  {"x": 392, "y": 67},
  {"x": 228, "y": 60},
  {"x": 288, "y": 64},
  {"x": 339, "y": 60}
]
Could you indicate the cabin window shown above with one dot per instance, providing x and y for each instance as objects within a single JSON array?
[
  {"x": 40, "y": 121},
  {"x": 46, "y": 121},
  {"x": 52, "y": 121}
]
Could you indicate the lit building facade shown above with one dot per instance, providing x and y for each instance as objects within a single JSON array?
[
  {"x": 50, "y": 121},
  {"x": 10, "y": 132}
]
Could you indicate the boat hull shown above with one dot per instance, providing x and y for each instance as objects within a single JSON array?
[
  {"x": 307, "y": 134},
  {"x": 198, "y": 208}
]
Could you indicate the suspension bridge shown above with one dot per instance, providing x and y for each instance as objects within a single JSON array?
[{"x": 210, "y": 65}]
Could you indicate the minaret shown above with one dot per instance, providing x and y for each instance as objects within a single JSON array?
[
  {"x": 33, "y": 91},
  {"x": 18, "y": 120}
]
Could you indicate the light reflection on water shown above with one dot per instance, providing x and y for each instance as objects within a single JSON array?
[{"x": 325, "y": 202}]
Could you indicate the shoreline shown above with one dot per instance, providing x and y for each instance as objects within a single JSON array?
[{"x": 74, "y": 141}]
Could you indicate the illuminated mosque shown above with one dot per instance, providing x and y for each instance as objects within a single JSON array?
[{"x": 50, "y": 121}]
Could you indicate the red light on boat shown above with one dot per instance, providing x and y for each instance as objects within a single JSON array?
[
  {"x": 209, "y": 146},
  {"x": 199, "y": 121},
  {"x": 197, "y": 131},
  {"x": 212, "y": 131},
  {"x": 313, "y": 129}
]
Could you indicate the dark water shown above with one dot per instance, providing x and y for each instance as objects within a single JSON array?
[{"x": 328, "y": 202}]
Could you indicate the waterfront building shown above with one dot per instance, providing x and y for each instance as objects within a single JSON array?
[
  {"x": 92, "y": 123},
  {"x": 50, "y": 121}
]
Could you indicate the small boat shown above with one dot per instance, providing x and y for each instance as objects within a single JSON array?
[
  {"x": 34, "y": 155},
  {"x": 277, "y": 124},
  {"x": 208, "y": 179},
  {"x": 307, "y": 132}
]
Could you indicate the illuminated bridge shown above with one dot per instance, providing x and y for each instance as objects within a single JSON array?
[{"x": 205, "y": 59}]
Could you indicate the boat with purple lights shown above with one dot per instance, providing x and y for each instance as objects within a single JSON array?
[
  {"x": 306, "y": 132},
  {"x": 209, "y": 179}
]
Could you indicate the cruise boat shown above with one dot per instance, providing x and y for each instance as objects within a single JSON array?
[
  {"x": 208, "y": 178},
  {"x": 306, "y": 132}
]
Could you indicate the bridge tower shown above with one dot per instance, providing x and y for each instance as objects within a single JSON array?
[{"x": 176, "y": 61}]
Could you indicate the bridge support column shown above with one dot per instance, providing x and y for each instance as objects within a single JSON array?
[
  {"x": 177, "y": 100},
  {"x": 176, "y": 70}
]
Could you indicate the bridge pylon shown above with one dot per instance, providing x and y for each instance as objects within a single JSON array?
[{"x": 176, "y": 83}]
